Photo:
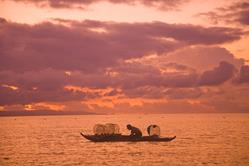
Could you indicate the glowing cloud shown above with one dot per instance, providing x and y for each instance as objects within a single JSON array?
[
  {"x": 68, "y": 73},
  {"x": 1, "y": 108},
  {"x": 43, "y": 105},
  {"x": 90, "y": 90},
  {"x": 10, "y": 87}
]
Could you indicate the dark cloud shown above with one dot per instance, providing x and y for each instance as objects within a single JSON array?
[
  {"x": 182, "y": 80},
  {"x": 47, "y": 86},
  {"x": 183, "y": 93},
  {"x": 243, "y": 17},
  {"x": 135, "y": 80},
  {"x": 25, "y": 47},
  {"x": 23, "y": 96},
  {"x": 51, "y": 79},
  {"x": 175, "y": 106},
  {"x": 227, "y": 98},
  {"x": 201, "y": 58},
  {"x": 77, "y": 47},
  {"x": 2, "y": 20},
  {"x": 133, "y": 75},
  {"x": 244, "y": 74},
  {"x": 187, "y": 33},
  {"x": 177, "y": 67},
  {"x": 160, "y": 4},
  {"x": 238, "y": 12},
  {"x": 160, "y": 92},
  {"x": 218, "y": 75}
]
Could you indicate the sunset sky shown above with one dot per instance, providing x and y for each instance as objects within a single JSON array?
[{"x": 124, "y": 56}]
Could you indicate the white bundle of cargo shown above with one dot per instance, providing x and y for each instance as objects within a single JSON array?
[
  {"x": 106, "y": 129},
  {"x": 99, "y": 129},
  {"x": 153, "y": 130}
]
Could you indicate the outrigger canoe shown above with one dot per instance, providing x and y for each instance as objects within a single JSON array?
[{"x": 126, "y": 138}]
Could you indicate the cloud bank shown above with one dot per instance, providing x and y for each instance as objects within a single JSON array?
[
  {"x": 238, "y": 12},
  {"x": 103, "y": 66}
]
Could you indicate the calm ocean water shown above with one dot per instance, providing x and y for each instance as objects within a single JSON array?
[{"x": 202, "y": 139}]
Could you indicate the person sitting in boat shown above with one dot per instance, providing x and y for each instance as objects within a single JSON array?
[{"x": 135, "y": 132}]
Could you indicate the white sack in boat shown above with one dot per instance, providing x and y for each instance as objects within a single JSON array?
[
  {"x": 99, "y": 129},
  {"x": 108, "y": 128},
  {"x": 153, "y": 130},
  {"x": 111, "y": 128}
]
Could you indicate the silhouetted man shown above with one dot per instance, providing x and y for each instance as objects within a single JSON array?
[{"x": 135, "y": 132}]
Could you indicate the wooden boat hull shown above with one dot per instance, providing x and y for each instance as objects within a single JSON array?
[{"x": 126, "y": 138}]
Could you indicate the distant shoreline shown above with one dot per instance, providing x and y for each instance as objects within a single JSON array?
[
  {"x": 42, "y": 113},
  {"x": 65, "y": 113}
]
